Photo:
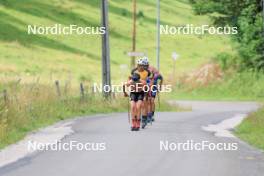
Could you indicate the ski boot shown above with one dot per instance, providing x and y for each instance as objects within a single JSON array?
[
  {"x": 149, "y": 118},
  {"x": 144, "y": 122},
  {"x": 137, "y": 124},
  {"x": 133, "y": 127},
  {"x": 153, "y": 116}
]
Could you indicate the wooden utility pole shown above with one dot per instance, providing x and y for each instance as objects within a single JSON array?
[
  {"x": 134, "y": 32},
  {"x": 158, "y": 35},
  {"x": 106, "y": 74}
]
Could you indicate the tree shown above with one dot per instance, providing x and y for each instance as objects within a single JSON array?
[{"x": 247, "y": 16}]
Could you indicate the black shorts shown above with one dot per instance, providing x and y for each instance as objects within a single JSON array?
[
  {"x": 136, "y": 96},
  {"x": 153, "y": 94}
]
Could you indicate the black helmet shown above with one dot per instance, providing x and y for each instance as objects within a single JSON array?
[{"x": 135, "y": 77}]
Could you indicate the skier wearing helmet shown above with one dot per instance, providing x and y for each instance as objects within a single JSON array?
[
  {"x": 144, "y": 74},
  {"x": 155, "y": 81}
]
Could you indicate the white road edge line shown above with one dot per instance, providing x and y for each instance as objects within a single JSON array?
[{"x": 223, "y": 129}]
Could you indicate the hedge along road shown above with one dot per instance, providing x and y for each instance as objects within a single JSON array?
[{"x": 114, "y": 150}]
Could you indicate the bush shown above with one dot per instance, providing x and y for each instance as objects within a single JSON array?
[{"x": 226, "y": 61}]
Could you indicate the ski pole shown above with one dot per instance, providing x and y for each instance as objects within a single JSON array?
[
  {"x": 128, "y": 107},
  {"x": 159, "y": 100}
]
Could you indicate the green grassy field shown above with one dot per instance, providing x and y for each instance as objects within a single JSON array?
[{"x": 74, "y": 57}]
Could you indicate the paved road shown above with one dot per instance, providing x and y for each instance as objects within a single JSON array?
[{"x": 138, "y": 153}]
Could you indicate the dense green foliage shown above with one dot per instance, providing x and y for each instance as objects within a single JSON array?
[{"x": 247, "y": 16}]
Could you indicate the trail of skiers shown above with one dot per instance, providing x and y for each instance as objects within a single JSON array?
[{"x": 143, "y": 86}]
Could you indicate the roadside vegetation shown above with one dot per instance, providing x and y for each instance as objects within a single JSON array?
[
  {"x": 243, "y": 86},
  {"x": 251, "y": 130}
]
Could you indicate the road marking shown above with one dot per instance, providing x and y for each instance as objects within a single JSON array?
[
  {"x": 250, "y": 158},
  {"x": 223, "y": 128}
]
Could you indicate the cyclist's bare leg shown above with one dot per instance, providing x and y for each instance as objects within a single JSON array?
[
  {"x": 149, "y": 108},
  {"x": 144, "y": 112},
  {"x": 149, "y": 105},
  {"x": 152, "y": 104},
  {"x": 138, "y": 109},
  {"x": 133, "y": 109},
  {"x": 145, "y": 105}
]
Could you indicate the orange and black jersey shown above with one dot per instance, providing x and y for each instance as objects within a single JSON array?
[{"x": 143, "y": 74}]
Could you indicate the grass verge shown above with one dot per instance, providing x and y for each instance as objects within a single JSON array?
[{"x": 251, "y": 129}]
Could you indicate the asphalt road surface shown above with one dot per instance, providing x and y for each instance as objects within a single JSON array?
[{"x": 139, "y": 153}]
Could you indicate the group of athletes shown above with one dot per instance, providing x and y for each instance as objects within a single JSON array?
[{"x": 143, "y": 84}]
